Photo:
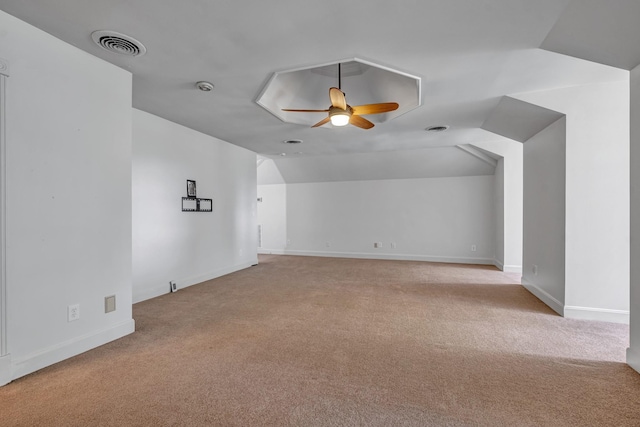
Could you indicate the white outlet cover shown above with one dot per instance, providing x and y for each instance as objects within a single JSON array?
[
  {"x": 110, "y": 304},
  {"x": 73, "y": 312}
]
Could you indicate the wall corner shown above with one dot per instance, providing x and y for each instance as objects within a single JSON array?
[
  {"x": 5, "y": 370},
  {"x": 633, "y": 358}
]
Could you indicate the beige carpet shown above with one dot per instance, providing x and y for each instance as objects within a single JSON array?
[{"x": 299, "y": 341}]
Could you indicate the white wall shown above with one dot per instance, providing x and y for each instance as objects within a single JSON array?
[
  {"x": 498, "y": 195},
  {"x": 272, "y": 217},
  {"x": 544, "y": 215},
  {"x": 68, "y": 215},
  {"x": 597, "y": 197},
  {"x": 509, "y": 176},
  {"x": 188, "y": 247},
  {"x": 428, "y": 219},
  {"x": 633, "y": 353}
]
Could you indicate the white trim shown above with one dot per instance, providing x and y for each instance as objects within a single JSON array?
[
  {"x": 264, "y": 251},
  {"x": 4, "y": 350},
  {"x": 161, "y": 289},
  {"x": 478, "y": 154},
  {"x": 5, "y": 370},
  {"x": 599, "y": 314},
  {"x": 67, "y": 349},
  {"x": 543, "y": 296},
  {"x": 513, "y": 269},
  {"x": 396, "y": 257},
  {"x": 574, "y": 312},
  {"x": 633, "y": 358},
  {"x": 508, "y": 268}
]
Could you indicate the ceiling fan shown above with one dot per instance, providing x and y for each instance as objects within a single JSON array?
[{"x": 342, "y": 114}]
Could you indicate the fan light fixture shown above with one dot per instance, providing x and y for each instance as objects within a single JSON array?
[
  {"x": 340, "y": 119},
  {"x": 342, "y": 114}
]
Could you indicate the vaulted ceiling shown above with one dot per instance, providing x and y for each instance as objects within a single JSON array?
[{"x": 468, "y": 55}]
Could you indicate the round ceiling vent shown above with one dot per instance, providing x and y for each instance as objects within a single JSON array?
[
  {"x": 437, "y": 128},
  {"x": 292, "y": 141},
  {"x": 118, "y": 43}
]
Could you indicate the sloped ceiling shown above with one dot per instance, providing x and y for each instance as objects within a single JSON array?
[
  {"x": 519, "y": 120},
  {"x": 406, "y": 164},
  {"x": 607, "y": 32},
  {"x": 469, "y": 54}
]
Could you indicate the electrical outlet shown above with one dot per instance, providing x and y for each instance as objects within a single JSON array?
[
  {"x": 173, "y": 287},
  {"x": 535, "y": 270},
  {"x": 73, "y": 312},
  {"x": 393, "y": 245},
  {"x": 377, "y": 244},
  {"x": 473, "y": 248},
  {"x": 109, "y": 304}
]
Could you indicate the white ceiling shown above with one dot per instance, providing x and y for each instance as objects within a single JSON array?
[
  {"x": 601, "y": 31},
  {"x": 362, "y": 82},
  {"x": 519, "y": 120},
  {"x": 467, "y": 53},
  {"x": 403, "y": 164}
]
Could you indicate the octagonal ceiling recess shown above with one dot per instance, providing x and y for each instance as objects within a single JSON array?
[{"x": 363, "y": 82}]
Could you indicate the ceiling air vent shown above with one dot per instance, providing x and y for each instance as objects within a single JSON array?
[
  {"x": 118, "y": 43},
  {"x": 292, "y": 141}
]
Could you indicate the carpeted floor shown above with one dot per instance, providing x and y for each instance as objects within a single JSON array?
[{"x": 301, "y": 341}]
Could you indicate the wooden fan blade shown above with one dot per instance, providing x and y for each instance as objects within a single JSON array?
[
  {"x": 305, "y": 111},
  {"x": 383, "y": 107},
  {"x": 337, "y": 98},
  {"x": 360, "y": 122},
  {"x": 321, "y": 122}
]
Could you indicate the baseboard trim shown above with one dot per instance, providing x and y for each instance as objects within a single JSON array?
[
  {"x": 394, "y": 257},
  {"x": 5, "y": 370},
  {"x": 513, "y": 269},
  {"x": 162, "y": 289},
  {"x": 262, "y": 251},
  {"x": 633, "y": 358},
  {"x": 73, "y": 347},
  {"x": 508, "y": 268},
  {"x": 599, "y": 314},
  {"x": 543, "y": 296}
]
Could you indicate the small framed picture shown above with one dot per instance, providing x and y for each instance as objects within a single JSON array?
[{"x": 191, "y": 188}]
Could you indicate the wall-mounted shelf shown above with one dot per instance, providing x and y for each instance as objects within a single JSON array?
[{"x": 194, "y": 204}]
